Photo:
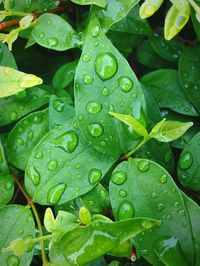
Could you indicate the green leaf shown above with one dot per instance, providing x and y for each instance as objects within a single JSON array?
[
  {"x": 24, "y": 136},
  {"x": 6, "y": 57},
  {"x": 189, "y": 166},
  {"x": 56, "y": 171},
  {"x": 105, "y": 82},
  {"x": 64, "y": 75},
  {"x": 16, "y": 222},
  {"x": 167, "y": 131},
  {"x": 14, "y": 107},
  {"x": 53, "y": 32},
  {"x": 88, "y": 240},
  {"x": 164, "y": 85},
  {"x": 131, "y": 122},
  {"x": 169, "y": 51},
  {"x": 148, "y": 8},
  {"x": 195, "y": 23},
  {"x": 189, "y": 67},
  {"x": 113, "y": 12},
  {"x": 101, "y": 3},
  {"x": 147, "y": 189},
  {"x": 13, "y": 81}
]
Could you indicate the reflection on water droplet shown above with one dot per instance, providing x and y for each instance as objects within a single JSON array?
[
  {"x": 105, "y": 65},
  {"x": 186, "y": 160},
  {"x": 58, "y": 105},
  {"x": 143, "y": 166},
  {"x": 55, "y": 193},
  {"x": 93, "y": 107},
  {"x": 125, "y": 83},
  {"x": 95, "y": 130},
  {"x": 126, "y": 210},
  {"x": 95, "y": 30},
  {"x": 94, "y": 176},
  {"x": 118, "y": 177},
  {"x": 88, "y": 79}
]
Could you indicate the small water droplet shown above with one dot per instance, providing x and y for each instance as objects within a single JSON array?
[
  {"x": 126, "y": 210},
  {"x": 95, "y": 130},
  {"x": 160, "y": 206},
  {"x": 95, "y": 30},
  {"x": 52, "y": 164},
  {"x": 20, "y": 141},
  {"x": 68, "y": 141},
  {"x": 181, "y": 212},
  {"x": 93, "y": 107},
  {"x": 186, "y": 160},
  {"x": 88, "y": 79},
  {"x": 52, "y": 42},
  {"x": 20, "y": 231},
  {"x": 168, "y": 217},
  {"x": 58, "y": 105},
  {"x": 143, "y": 166},
  {"x": 163, "y": 179},
  {"x": 167, "y": 157},
  {"x": 105, "y": 66},
  {"x": 37, "y": 119},
  {"x": 55, "y": 193},
  {"x": 118, "y": 177},
  {"x": 12, "y": 260},
  {"x": 122, "y": 193},
  {"x": 38, "y": 155},
  {"x": 13, "y": 116},
  {"x": 34, "y": 175},
  {"x": 105, "y": 91},
  {"x": 94, "y": 176},
  {"x": 125, "y": 83},
  {"x": 9, "y": 185},
  {"x": 30, "y": 135},
  {"x": 176, "y": 204},
  {"x": 154, "y": 195},
  {"x": 86, "y": 58},
  {"x": 173, "y": 190}
]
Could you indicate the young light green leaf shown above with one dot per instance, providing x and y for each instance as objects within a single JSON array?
[
  {"x": 149, "y": 7},
  {"x": 53, "y": 32},
  {"x": 24, "y": 137},
  {"x": 100, "y": 3},
  {"x": 16, "y": 222},
  {"x": 13, "y": 81},
  {"x": 167, "y": 131},
  {"x": 189, "y": 165},
  {"x": 131, "y": 122},
  {"x": 26, "y": 21},
  {"x": 147, "y": 189}
]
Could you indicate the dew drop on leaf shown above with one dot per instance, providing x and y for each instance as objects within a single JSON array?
[
  {"x": 30, "y": 135},
  {"x": 122, "y": 193},
  {"x": 143, "y": 166},
  {"x": 163, "y": 179},
  {"x": 9, "y": 185},
  {"x": 58, "y": 105},
  {"x": 154, "y": 195},
  {"x": 125, "y": 83},
  {"x": 105, "y": 66},
  {"x": 118, "y": 177},
  {"x": 86, "y": 58},
  {"x": 105, "y": 91},
  {"x": 160, "y": 206},
  {"x": 52, "y": 42},
  {"x": 95, "y": 30},
  {"x": 126, "y": 210},
  {"x": 68, "y": 141},
  {"x": 34, "y": 175},
  {"x": 95, "y": 129},
  {"x": 12, "y": 261},
  {"x": 87, "y": 79},
  {"x": 185, "y": 161},
  {"x": 20, "y": 141},
  {"x": 52, "y": 164},
  {"x": 94, "y": 176},
  {"x": 13, "y": 116},
  {"x": 55, "y": 193},
  {"x": 93, "y": 107},
  {"x": 38, "y": 155}
]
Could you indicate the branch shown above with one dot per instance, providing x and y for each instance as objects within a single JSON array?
[{"x": 58, "y": 10}]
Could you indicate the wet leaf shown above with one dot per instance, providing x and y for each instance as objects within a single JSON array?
[{"x": 101, "y": 3}]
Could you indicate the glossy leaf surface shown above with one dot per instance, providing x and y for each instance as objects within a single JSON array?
[{"x": 101, "y": 3}]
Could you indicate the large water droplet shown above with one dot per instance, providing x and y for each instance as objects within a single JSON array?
[
  {"x": 125, "y": 83},
  {"x": 186, "y": 160},
  {"x": 118, "y": 177},
  {"x": 58, "y": 105},
  {"x": 94, "y": 176},
  {"x": 143, "y": 166},
  {"x": 55, "y": 193},
  {"x": 93, "y": 107},
  {"x": 52, "y": 42},
  {"x": 52, "y": 164},
  {"x": 34, "y": 175},
  {"x": 12, "y": 261},
  {"x": 126, "y": 210},
  {"x": 105, "y": 65},
  {"x": 68, "y": 141},
  {"x": 95, "y": 130}
]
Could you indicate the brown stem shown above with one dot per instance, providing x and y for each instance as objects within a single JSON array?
[
  {"x": 31, "y": 203},
  {"x": 58, "y": 10}
]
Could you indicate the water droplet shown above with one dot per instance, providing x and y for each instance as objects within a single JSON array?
[
  {"x": 20, "y": 141},
  {"x": 176, "y": 204},
  {"x": 88, "y": 79},
  {"x": 95, "y": 30},
  {"x": 13, "y": 116},
  {"x": 94, "y": 176},
  {"x": 55, "y": 193},
  {"x": 37, "y": 119},
  {"x": 181, "y": 212},
  {"x": 52, "y": 164},
  {"x": 167, "y": 157},
  {"x": 34, "y": 175},
  {"x": 20, "y": 231},
  {"x": 125, "y": 83},
  {"x": 122, "y": 193},
  {"x": 80, "y": 118},
  {"x": 160, "y": 206},
  {"x": 9, "y": 185},
  {"x": 38, "y": 155},
  {"x": 68, "y": 141},
  {"x": 12, "y": 261},
  {"x": 168, "y": 217},
  {"x": 105, "y": 91},
  {"x": 154, "y": 195},
  {"x": 52, "y": 42},
  {"x": 118, "y": 177},
  {"x": 30, "y": 135},
  {"x": 86, "y": 58},
  {"x": 49, "y": 21},
  {"x": 41, "y": 35},
  {"x": 147, "y": 224},
  {"x": 58, "y": 105},
  {"x": 30, "y": 245},
  {"x": 163, "y": 179},
  {"x": 78, "y": 165},
  {"x": 185, "y": 161},
  {"x": 93, "y": 107},
  {"x": 105, "y": 65},
  {"x": 96, "y": 44},
  {"x": 95, "y": 130},
  {"x": 143, "y": 166},
  {"x": 173, "y": 190},
  {"x": 126, "y": 210}
]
